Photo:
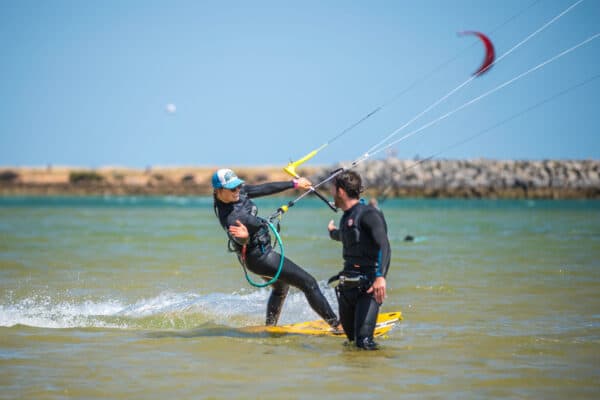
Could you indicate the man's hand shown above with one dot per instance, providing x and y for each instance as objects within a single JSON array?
[
  {"x": 239, "y": 231},
  {"x": 378, "y": 289},
  {"x": 331, "y": 226}
]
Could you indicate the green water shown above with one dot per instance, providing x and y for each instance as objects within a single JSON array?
[{"x": 137, "y": 298}]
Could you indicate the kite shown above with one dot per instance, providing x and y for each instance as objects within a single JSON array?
[{"x": 490, "y": 55}]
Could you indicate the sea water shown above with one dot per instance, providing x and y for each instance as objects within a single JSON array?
[{"x": 138, "y": 298}]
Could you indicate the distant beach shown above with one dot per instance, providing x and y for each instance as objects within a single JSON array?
[{"x": 481, "y": 178}]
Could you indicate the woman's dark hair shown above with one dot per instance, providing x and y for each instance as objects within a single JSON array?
[
  {"x": 215, "y": 201},
  {"x": 349, "y": 181}
]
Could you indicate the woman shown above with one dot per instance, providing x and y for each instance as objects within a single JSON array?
[{"x": 238, "y": 216}]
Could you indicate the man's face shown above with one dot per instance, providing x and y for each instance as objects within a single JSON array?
[{"x": 337, "y": 194}]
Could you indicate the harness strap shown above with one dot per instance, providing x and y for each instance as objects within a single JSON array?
[
  {"x": 244, "y": 248},
  {"x": 348, "y": 280}
]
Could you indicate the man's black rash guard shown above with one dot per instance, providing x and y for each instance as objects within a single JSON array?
[
  {"x": 246, "y": 211},
  {"x": 363, "y": 233}
]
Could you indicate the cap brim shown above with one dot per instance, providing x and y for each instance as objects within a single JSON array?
[{"x": 233, "y": 184}]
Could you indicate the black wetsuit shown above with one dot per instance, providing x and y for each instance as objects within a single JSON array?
[
  {"x": 262, "y": 260},
  {"x": 367, "y": 253}
]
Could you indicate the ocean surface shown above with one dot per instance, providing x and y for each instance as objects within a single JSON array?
[{"x": 138, "y": 298}]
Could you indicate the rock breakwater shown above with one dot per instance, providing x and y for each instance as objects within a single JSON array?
[{"x": 482, "y": 178}]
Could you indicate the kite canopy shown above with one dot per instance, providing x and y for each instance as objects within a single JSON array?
[{"x": 490, "y": 54}]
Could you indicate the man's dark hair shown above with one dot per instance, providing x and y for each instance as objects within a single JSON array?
[{"x": 349, "y": 181}]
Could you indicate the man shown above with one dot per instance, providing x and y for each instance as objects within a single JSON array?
[{"x": 366, "y": 252}]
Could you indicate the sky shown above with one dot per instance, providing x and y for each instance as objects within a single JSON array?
[{"x": 238, "y": 83}]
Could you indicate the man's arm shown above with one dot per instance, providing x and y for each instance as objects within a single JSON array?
[
  {"x": 373, "y": 222},
  {"x": 334, "y": 232}
]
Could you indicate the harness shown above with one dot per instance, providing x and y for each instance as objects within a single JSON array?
[{"x": 350, "y": 280}]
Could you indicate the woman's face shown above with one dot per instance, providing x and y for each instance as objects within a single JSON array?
[{"x": 229, "y": 195}]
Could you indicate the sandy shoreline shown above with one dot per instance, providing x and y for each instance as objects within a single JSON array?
[{"x": 553, "y": 179}]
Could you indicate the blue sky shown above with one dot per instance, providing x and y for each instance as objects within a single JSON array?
[{"x": 87, "y": 83}]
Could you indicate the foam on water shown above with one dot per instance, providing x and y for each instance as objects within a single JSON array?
[
  {"x": 43, "y": 312},
  {"x": 166, "y": 310}
]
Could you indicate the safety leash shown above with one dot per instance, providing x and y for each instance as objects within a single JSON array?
[{"x": 282, "y": 255}]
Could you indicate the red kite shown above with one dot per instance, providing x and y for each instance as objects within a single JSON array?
[{"x": 490, "y": 55}]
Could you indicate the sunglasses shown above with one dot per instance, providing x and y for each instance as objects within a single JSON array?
[{"x": 235, "y": 189}]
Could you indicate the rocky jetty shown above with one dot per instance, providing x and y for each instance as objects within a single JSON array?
[
  {"x": 481, "y": 178},
  {"x": 552, "y": 179}
]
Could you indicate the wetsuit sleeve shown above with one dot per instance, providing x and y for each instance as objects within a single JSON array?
[
  {"x": 252, "y": 222},
  {"x": 373, "y": 222},
  {"x": 266, "y": 189},
  {"x": 335, "y": 235}
]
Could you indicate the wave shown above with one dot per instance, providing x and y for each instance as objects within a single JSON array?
[{"x": 167, "y": 310}]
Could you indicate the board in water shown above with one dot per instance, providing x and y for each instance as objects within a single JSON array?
[{"x": 385, "y": 323}]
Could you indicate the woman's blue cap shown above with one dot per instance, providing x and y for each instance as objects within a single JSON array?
[{"x": 225, "y": 179}]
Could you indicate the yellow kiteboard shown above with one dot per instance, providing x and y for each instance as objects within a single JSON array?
[{"x": 385, "y": 323}]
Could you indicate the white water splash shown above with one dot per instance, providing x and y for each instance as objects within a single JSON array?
[
  {"x": 247, "y": 307},
  {"x": 41, "y": 311}
]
